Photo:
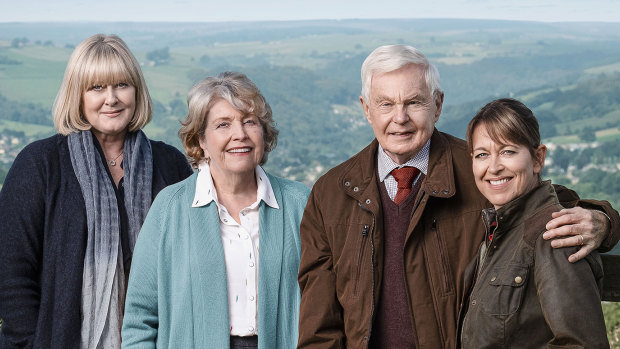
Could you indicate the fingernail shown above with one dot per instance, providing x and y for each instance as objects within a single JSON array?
[{"x": 545, "y": 235}]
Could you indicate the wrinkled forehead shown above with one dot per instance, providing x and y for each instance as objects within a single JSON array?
[{"x": 408, "y": 78}]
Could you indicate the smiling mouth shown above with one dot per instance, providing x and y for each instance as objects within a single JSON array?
[
  {"x": 240, "y": 150},
  {"x": 499, "y": 181},
  {"x": 400, "y": 133}
]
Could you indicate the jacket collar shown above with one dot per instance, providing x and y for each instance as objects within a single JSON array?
[
  {"x": 360, "y": 173},
  {"x": 440, "y": 178},
  {"x": 522, "y": 208}
]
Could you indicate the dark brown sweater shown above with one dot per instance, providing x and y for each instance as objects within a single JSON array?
[{"x": 392, "y": 326}]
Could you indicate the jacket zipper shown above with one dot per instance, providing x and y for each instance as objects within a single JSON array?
[
  {"x": 489, "y": 248},
  {"x": 372, "y": 268},
  {"x": 360, "y": 258},
  {"x": 444, "y": 261}
]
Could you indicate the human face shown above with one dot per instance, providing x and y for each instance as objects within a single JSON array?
[
  {"x": 233, "y": 141},
  {"x": 402, "y": 111},
  {"x": 109, "y": 108},
  {"x": 504, "y": 172}
]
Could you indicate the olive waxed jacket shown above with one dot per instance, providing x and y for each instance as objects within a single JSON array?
[
  {"x": 342, "y": 248},
  {"x": 524, "y": 293}
]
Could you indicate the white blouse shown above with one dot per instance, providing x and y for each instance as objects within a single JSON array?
[{"x": 241, "y": 250}]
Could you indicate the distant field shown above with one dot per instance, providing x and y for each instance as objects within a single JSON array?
[
  {"x": 595, "y": 122},
  {"x": 29, "y": 130},
  {"x": 606, "y": 135},
  {"x": 39, "y": 76}
]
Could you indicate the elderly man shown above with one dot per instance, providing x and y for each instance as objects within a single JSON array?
[{"x": 387, "y": 235}]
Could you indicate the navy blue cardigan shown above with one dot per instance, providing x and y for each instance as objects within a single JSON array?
[{"x": 43, "y": 242}]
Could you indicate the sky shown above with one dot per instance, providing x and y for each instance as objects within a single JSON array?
[{"x": 262, "y": 10}]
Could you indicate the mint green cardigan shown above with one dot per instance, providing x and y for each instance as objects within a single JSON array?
[{"x": 177, "y": 293}]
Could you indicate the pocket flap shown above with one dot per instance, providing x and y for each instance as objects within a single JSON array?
[{"x": 513, "y": 275}]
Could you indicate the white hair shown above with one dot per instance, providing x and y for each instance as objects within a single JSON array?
[{"x": 385, "y": 59}]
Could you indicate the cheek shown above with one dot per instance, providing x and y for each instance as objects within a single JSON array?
[{"x": 203, "y": 145}]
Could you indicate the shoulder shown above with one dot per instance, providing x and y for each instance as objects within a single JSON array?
[
  {"x": 174, "y": 194},
  {"x": 289, "y": 188},
  {"x": 455, "y": 145},
  {"x": 362, "y": 163},
  {"x": 170, "y": 161},
  {"x": 45, "y": 155},
  {"x": 43, "y": 147},
  {"x": 165, "y": 151}
]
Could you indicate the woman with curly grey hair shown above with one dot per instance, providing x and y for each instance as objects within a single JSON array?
[{"x": 217, "y": 259}]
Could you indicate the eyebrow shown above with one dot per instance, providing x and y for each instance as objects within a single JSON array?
[{"x": 414, "y": 97}]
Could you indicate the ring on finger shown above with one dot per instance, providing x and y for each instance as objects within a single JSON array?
[{"x": 581, "y": 236}]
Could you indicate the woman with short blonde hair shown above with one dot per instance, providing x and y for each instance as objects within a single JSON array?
[{"x": 72, "y": 205}]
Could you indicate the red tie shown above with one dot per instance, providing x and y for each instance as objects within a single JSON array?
[{"x": 404, "y": 177}]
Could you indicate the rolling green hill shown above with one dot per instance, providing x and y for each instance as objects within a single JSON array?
[{"x": 309, "y": 72}]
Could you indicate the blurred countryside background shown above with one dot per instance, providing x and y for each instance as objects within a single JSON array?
[{"x": 567, "y": 72}]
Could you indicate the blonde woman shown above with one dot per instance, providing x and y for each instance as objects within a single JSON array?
[{"x": 72, "y": 205}]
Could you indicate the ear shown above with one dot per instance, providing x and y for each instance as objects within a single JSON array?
[
  {"x": 438, "y": 105},
  {"x": 366, "y": 111},
  {"x": 203, "y": 146},
  {"x": 539, "y": 158}
]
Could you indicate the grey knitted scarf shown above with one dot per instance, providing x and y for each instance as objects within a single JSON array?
[{"x": 103, "y": 285}]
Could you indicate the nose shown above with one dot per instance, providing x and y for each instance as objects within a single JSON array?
[
  {"x": 400, "y": 114},
  {"x": 238, "y": 131},
  {"x": 110, "y": 97},
  {"x": 495, "y": 164}
]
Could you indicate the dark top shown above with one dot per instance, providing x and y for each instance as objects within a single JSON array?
[
  {"x": 525, "y": 294},
  {"x": 392, "y": 326},
  {"x": 43, "y": 233}
]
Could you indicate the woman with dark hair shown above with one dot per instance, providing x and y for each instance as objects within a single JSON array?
[
  {"x": 216, "y": 262},
  {"x": 523, "y": 293},
  {"x": 72, "y": 205}
]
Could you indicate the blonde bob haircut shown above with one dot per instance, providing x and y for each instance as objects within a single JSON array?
[
  {"x": 238, "y": 90},
  {"x": 99, "y": 60},
  {"x": 385, "y": 59}
]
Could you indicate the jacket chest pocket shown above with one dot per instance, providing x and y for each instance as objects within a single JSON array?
[{"x": 503, "y": 294}]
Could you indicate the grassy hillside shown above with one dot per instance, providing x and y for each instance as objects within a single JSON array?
[{"x": 309, "y": 72}]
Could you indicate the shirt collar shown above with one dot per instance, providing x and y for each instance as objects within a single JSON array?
[
  {"x": 419, "y": 160},
  {"x": 205, "y": 189}
]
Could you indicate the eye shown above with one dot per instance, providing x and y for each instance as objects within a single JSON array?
[
  {"x": 480, "y": 155},
  {"x": 508, "y": 152},
  {"x": 250, "y": 122},
  {"x": 122, "y": 85},
  {"x": 222, "y": 125},
  {"x": 96, "y": 88}
]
